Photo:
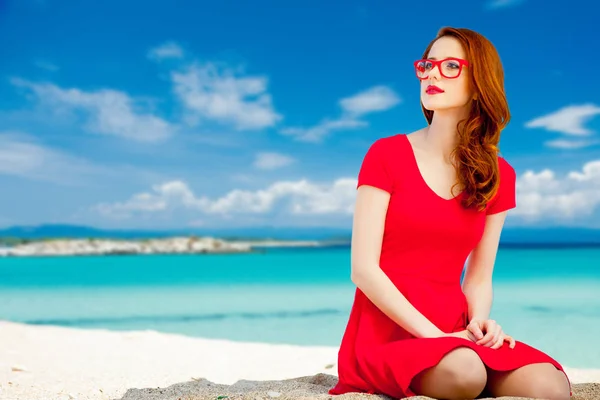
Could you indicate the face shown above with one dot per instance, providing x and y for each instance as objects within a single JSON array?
[{"x": 455, "y": 93}]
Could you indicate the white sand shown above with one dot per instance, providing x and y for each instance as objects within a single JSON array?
[{"x": 64, "y": 363}]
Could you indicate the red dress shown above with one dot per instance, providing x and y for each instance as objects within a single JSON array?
[{"x": 425, "y": 246}]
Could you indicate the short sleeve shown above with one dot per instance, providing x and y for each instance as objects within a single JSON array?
[
  {"x": 375, "y": 170},
  {"x": 505, "y": 198}
]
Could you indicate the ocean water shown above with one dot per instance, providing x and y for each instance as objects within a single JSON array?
[{"x": 548, "y": 298}]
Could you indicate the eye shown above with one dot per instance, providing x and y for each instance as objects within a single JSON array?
[
  {"x": 452, "y": 65},
  {"x": 428, "y": 65}
]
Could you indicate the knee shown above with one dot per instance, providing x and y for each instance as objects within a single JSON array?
[
  {"x": 470, "y": 375},
  {"x": 551, "y": 387}
]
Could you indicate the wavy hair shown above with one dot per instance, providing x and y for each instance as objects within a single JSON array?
[{"x": 478, "y": 134}]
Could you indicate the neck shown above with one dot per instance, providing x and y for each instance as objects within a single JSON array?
[{"x": 441, "y": 135}]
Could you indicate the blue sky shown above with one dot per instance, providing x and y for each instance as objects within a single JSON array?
[{"x": 236, "y": 113}]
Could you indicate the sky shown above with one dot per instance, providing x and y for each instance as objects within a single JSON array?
[{"x": 146, "y": 114}]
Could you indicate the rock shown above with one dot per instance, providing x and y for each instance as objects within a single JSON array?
[{"x": 273, "y": 394}]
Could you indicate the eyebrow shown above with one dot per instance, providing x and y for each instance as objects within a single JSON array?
[{"x": 435, "y": 58}]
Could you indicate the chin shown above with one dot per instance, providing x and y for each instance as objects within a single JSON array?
[
  {"x": 435, "y": 105},
  {"x": 440, "y": 105}
]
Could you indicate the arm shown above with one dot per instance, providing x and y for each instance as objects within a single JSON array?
[
  {"x": 477, "y": 283},
  {"x": 367, "y": 235}
]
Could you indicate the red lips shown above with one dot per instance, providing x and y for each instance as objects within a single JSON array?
[{"x": 432, "y": 89}]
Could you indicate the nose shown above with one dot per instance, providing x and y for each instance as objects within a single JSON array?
[{"x": 434, "y": 72}]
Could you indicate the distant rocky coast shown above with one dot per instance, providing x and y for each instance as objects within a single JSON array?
[
  {"x": 172, "y": 245},
  {"x": 74, "y": 247}
]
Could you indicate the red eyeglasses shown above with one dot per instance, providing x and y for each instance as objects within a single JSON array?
[{"x": 449, "y": 67}]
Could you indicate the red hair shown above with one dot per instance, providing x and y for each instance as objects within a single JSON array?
[{"x": 478, "y": 134}]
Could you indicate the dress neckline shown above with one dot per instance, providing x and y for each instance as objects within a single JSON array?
[{"x": 420, "y": 175}]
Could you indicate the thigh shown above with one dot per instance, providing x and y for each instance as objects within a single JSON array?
[
  {"x": 459, "y": 374},
  {"x": 541, "y": 380}
]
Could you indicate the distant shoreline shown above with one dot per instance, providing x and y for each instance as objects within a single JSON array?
[
  {"x": 172, "y": 245},
  {"x": 517, "y": 237},
  {"x": 28, "y": 247},
  {"x": 101, "y": 247}
]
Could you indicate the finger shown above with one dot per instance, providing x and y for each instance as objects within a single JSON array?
[
  {"x": 498, "y": 343},
  {"x": 498, "y": 336},
  {"x": 489, "y": 325},
  {"x": 494, "y": 340},
  {"x": 487, "y": 339},
  {"x": 474, "y": 328},
  {"x": 511, "y": 342},
  {"x": 471, "y": 337},
  {"x": 487, "y": 336},
  {"x": 497, "y": 332}
]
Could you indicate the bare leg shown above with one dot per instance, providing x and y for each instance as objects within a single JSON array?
[
  {"x": 459, "y": 375},
  {"x": 540, "y": 381}
]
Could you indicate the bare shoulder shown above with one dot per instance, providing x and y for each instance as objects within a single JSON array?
[
  {"x": 416, "y": 133},
  {"x": 415, "y": 140},
  {"x": 415, "y": 137}
]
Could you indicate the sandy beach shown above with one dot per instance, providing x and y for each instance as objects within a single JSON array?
[{"x": 48, "y": 362}]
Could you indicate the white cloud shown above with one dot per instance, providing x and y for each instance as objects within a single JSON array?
[
  {"x": 23, "y": 156},
  {"x": 496, "y": 4},
  {"x": 316, "y": 133},
  {"x": 166, "y": 50},
  {"x": 567, "y": 120},
  {"x": 271, "y": 160},
  {"x": 542, "y": 196},
  {"x": 375, "y": 99},
  {"x": 299, "y": 197},
  {"x": 545, "y": 196},
  {"x": 571, "y": 144},
  {"x": 216, "y": 94},
  {"x": 108, "y": 111}
]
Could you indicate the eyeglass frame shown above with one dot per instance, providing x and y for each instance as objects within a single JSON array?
[{"x": 438, "y": 63}]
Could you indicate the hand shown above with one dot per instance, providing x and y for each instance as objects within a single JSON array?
[{"x": 488, "y": 333}]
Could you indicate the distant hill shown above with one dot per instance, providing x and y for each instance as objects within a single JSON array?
[{"x": 75, "y": 231}]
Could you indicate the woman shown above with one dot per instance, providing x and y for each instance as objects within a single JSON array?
[{"x": 428, "y": 203}]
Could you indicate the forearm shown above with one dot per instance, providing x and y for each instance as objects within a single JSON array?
[
  {"x": 479, "y": 297},
  {"x": 378, "y": 288}
]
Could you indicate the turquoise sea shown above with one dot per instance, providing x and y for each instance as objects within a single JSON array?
[{"x": 549, "y": 298}]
